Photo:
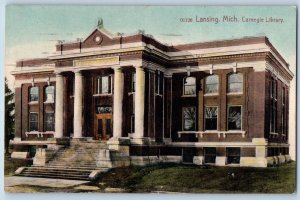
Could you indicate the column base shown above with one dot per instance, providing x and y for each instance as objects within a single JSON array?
[
  {"x": 140, "y": 141},
  {"x": 220, "y": 160},
  {"x": 119, "y": 144},
  {"x": 198, "y": 160}
]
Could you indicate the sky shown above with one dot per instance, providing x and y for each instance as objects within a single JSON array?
[{"x": 33, "y": 31}]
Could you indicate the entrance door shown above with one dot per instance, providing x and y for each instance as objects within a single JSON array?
[{"x": 103, "y": 123}]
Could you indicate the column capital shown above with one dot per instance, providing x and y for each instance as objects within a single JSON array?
[
  {"x": 77, "y": 72},
  {"x": 117, "y": 68},
  {"x": 139, "y": 67},
  {"x": 58, "y": 74}
]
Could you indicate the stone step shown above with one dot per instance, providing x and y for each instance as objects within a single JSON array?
[
  {"x": 42, "y": 172},
  {"x": 58, "y": 176}
]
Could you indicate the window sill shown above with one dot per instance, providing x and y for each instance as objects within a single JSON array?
[
  {"x": 211, "y": 94},
  {"x": 131, "y": 93},
  {"x": 200, "y": 133},
  {"x": 234, "y": 93},
  {"x": 49, "y": 102},
  {"x": 189, "y": 96},
  {"x": 33, "y": 102},
  {"x": 271, "y": 133},
  {"x": 102, "y": 95}
]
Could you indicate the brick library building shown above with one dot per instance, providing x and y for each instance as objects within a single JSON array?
[{"x": 116, "y": 100}]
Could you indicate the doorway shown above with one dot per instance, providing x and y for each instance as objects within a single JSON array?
[{"x": 103, "y": 123}]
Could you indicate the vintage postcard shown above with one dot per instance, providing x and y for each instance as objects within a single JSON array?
[{"x": 150, "y": 99}]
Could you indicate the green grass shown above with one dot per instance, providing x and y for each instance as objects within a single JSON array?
[{"x": 195, "y": 179}]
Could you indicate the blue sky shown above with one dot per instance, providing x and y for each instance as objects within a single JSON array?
[{"x": 47, "y": 24}]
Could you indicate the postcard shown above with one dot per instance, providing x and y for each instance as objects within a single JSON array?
[{"x": 150, "y": 99}]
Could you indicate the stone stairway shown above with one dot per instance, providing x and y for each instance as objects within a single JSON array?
[{"x": 78, "y": 161}]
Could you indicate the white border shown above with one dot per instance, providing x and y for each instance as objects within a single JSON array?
[{"x": 131, "y": 196}]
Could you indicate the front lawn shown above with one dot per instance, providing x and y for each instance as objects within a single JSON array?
[{"x": 196, "y": 179}]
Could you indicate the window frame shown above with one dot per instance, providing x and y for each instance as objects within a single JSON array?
[
  {"x": 45, "y": 121},
  {"x": 229, "y": 83},
  {"x": 205, "y": 85},
  {"x": 184, "y": 87},
  {"x": 29, "y": 121},
  {"x": 273, "y": 105},
  {"x": 45, "y": 92},
  {"x": 98, "y": 88},
  {"x": 133, "y": 83},
  {"x": 207, "y": 130},
  {"x": 233, "y": 105},
  {"x": 227, "y": 155},
  {"x": 183, "y": 119},
  {"x": 132, "y": 124},
  {"x": 30, "y": 94},
  {"x": 211, "y": 155}
]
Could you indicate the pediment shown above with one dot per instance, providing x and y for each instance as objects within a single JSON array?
[{"x": 99, "y": 37}]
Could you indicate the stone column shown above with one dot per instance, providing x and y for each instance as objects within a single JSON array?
[
  {"x": 78, "y": 104},
  {"x": 139, "y": 103},
  {"x": 59, "y": 111},
  {"x": 118, "y": 102}
]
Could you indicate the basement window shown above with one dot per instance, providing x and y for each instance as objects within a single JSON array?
[
  {"x": 210, "y": 154},
  {"x": 233, "y": 155}
]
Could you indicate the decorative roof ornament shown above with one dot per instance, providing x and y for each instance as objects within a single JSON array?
[{"x": 100, "y": 23}]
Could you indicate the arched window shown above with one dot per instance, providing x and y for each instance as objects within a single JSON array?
[
  {"x": 49, "y": 93},
  {"x": 235, "y": 83},
  {"x": 34, "y": 94},
  {"x": 189, "y": 86},
  {"x": 212, "y": 84}
]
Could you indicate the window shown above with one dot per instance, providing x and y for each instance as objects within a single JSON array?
[
  {"x": 211, "y": 118},
  {"x": 189, "y": 86},
  {"x": 34, "y": 94},
  {"x": 49, "y": 121},
  {"x": 159, "y": 81},
  {"x": 233, "y": 155},
  {"x": 210, "y": 155},
  {"x": 235, "y": 83},
  {"x": 234, "y": 118},
  {"x": 212, "y": 84},
  {"x": 133, "y": 80},
  {"x": 49, "y": 94},
  {"x": 132, "y": 123},
  {"x": 103, "y": 85},
  {"x": 103, "y": 109},
  {"x": 273, "y": 105},
  {"x": 189, "y": 118},
  {"x": 33, "y": 121},
  {"x": 283, "y": 112}
]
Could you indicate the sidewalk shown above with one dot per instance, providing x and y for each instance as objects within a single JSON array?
[{"x": 12, "y": 181}]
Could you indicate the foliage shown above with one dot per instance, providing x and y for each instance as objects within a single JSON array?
[{"x": 9, "y": 115}]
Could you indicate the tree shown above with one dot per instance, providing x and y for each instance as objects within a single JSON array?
[{"x": 9, "y": 115}]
